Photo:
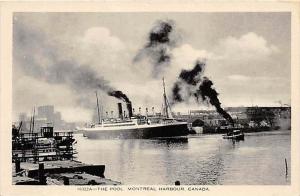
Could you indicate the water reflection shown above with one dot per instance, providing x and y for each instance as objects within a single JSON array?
[
  {"x": 195, "y": 160},
  {"x": 174, "y": 140},
  {"x": 169, "y": 143}
]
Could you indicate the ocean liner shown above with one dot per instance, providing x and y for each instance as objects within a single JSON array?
[{"x": 137, "y": 126}]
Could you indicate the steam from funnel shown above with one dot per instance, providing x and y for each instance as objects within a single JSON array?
[
  {"x": 192, "y": 83},
  {"x": 119, "y": 95},
  {"x": 162, "y": 39},
  {"x": 59, "y": 69}
]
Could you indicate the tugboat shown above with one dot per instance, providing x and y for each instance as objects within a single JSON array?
[{"x": 235, "y": 135}]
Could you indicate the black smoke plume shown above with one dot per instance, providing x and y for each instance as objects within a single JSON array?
[
  {"x": 40, "y": 58},
  {"x": 193, "y": 77},
  {"x": 207, "y": 92},
  {"x": 119, "y": 95},
  {"x": 176, "y": 92},
  {"x": 162, "y": 39},
  {"x": 187, "y": 78},
  {"x": 160, "y": 33},
  {"x": 193, "y": 83}
]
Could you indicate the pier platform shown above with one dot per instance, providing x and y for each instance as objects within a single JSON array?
[{"x": 67, "y": 172}]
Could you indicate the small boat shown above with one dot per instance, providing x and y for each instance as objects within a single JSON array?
[{"x": 235, "y": 135}]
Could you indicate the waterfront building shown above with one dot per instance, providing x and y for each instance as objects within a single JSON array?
[
  {"x": 257, "y": 116},
  {"x": 46, "y": 111},
  {"x": 23, "y": 118},
  {"x": 46, "y": 115}
]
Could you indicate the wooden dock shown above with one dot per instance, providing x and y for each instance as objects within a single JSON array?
[
  {"x": 46, "y": 158},
  {"x": 66, "y": 172}
]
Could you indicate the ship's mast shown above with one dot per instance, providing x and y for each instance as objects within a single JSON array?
[
  {"x": 98, "y": 108},
  {"x": 33, "y": 119},
  {"x": 165, "y": 100},
  {"x": 31, "y": 129},
  {"x": 30, "y": 125}
]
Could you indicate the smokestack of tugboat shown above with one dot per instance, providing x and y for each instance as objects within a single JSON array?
[
  {"x": 129, "y": 108},
  {"x": 120, "y": 110}
]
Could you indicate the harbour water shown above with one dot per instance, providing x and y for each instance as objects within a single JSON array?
[{"x": 197, "y": 160}]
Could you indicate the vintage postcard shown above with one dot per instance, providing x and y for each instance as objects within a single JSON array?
[{"x": 149, "y": 98}]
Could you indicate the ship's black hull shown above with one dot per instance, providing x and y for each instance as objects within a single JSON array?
[{"x": 170, "y": 130}]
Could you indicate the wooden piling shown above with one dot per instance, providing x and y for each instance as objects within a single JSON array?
[
  {"x": 17, "y": 165},
  {"x": 42, "y": 178},
  {"x": 66, "y": 180},
  {"x": 286, "y": 167}
]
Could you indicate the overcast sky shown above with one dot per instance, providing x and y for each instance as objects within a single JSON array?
[{"x": 247, "y": 58}]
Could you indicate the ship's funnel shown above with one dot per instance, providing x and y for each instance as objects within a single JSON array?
[
  {"x": 129, "y": 108},
  {"x": 120, "y": 110}
]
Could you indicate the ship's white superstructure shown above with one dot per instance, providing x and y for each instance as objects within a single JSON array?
[{"x": 136, "y": 126}]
